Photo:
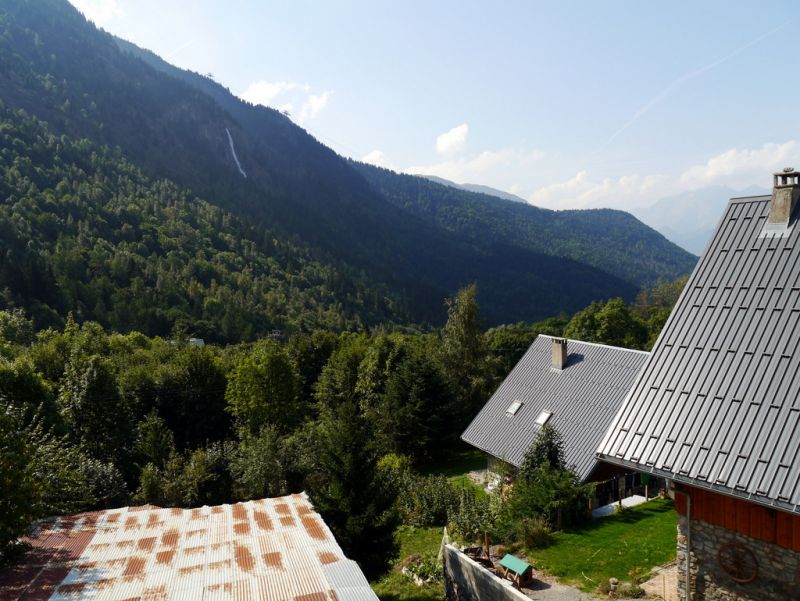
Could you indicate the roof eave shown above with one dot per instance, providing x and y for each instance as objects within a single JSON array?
[{"x": 717, "y": 488}]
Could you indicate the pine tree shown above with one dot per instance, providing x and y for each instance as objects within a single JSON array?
[
  {"x": 463, "y": 353},
  {"x": 349, "y": 493},
  {"x": 547, "y": 451}
]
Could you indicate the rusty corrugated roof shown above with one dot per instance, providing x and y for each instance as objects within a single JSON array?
[{"x": 271, "y": 549}]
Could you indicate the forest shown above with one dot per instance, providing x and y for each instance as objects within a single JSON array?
[
  {"x": 97, "y": 419},
  {"x": 117, "y": 163}
]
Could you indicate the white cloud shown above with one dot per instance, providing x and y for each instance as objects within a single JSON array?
[
  {"x": 99, "y": 11},
  {"x": 452, "y": 141},
  {"x": 491, "y": 167},
  {"x": 314, "y": 105},
  {"x": 285, "y": 96},
  {"x": 736, "y": 168},
  {"x": 583, "y": 192},
  {"x": 265, "y": 92},
  {"x": 376, "y": 157},
  {"x": 742, "y": 167}
]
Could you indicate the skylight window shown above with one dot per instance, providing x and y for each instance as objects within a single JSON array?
[
  {"x": 543, "y": 417},
  {"x": 514, "y": 407}
]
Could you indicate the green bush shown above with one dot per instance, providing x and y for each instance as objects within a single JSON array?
[
  {"x": 472, "y": 517},
  {"x": 17, "y": 486},
  {"x": 426, "y": 568},
  {"x": 534, "y": 532},
  {"x": 426, "y": 500}
]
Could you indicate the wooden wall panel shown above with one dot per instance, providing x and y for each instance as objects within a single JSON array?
[
  {"x": 783, "y": 529},
  {"x": 744, "y": 517},
  {"x": 729, "y": 517},
  {"x": 795, "y": 533}
]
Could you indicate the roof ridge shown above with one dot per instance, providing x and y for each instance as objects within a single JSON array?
[
  {"x": 743, "y": 199},
  {"x": 620, "y": 348}
]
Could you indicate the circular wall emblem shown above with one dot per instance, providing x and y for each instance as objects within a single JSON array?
[{"x": 738, "y": 562}]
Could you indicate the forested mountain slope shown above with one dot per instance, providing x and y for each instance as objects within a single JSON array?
[
  {"x": 362, "y": 257},
  {"x": 83, "y": 230},
  {"x": 614, "y": 241}
]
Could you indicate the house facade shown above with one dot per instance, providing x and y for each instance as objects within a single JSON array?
[
  {"x": 575, "y": 386},
  {"x": 716, "y": 408}
]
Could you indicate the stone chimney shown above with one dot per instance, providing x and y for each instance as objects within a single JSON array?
[
  {"x": 785, "y": 193},
  {"x": 558, "y": 355}
]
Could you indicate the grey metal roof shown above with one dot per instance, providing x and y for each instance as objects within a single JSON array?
[
  {"x": 349, "y": 582},
  {"x": 718, "y": 402},
  {"x": 583, "y": 398}
]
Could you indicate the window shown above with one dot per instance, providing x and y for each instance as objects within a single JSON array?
[
  {"x": 543, "y": 417},
  {"x": 514, "y": 407}
]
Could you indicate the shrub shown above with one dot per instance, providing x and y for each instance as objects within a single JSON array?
[
  {"x": 426, "y": 500},
  {"x": 423, "y": 568},
  {"x": 17, "y": 485},
  {"x": 534, "y": 533},
  {"x": 472, "y": 517},
  {"x": 557, "y": 495}
]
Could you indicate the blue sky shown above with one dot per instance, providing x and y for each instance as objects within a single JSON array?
[{"x": 567, "y": 104}]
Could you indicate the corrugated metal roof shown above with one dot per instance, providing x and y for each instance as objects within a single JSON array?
[
  {"x": 718, "y": 403},
  {"x": 583, "y": 399},
  {"x": 271, "y": 550}
]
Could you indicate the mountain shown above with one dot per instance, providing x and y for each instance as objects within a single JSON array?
[
  {"x": 478, "y": 188},
  {"x": 230, "y": 216},
  {"x": 689, "y": 219},
  {"x": 613, "y": 241}
]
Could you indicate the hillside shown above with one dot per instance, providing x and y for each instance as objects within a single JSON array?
[
  {"x": 85, "y": 231},
  {"x": 613, "y": 241},
  {"x": 487, "y": 190},
  {"x": 374, "y": 258}
]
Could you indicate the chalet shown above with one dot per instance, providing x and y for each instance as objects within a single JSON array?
[
  {"x": 716, "y": 408},
  {"x": 578, "y": 387},
  {"x": 265, "y": 549}
]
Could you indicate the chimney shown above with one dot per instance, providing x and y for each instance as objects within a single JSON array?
[
  {"x": 558, "y": 348},
  {"x": 785, "y": 193}
]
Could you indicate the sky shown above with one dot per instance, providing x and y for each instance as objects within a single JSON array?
[{"x": 566, "y": 104}]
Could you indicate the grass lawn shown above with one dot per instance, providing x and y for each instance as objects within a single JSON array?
[
  {"x": 642, "y": 536},
  {"x": 397, "y": 587},
  {"x": 457, "y": 465}
]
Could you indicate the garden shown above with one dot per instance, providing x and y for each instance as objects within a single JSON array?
[{"x": 522, "y": 520}]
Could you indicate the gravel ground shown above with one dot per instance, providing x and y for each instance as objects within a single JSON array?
[{"x": 546, "y": 588}]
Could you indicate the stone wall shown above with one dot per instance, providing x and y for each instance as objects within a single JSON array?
[
  {"x": 778, "y": 568},
  {"x": 466, "y": 580}
]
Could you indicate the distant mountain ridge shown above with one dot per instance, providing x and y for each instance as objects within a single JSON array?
[
  {"x": 610, "y": 240},
  {"x": 689, "y": 219},
  {"x": 477, "y": 188},
  {"x": 356, "y": 225}
]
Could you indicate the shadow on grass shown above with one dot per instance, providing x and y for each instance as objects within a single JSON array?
[
  {"x": 462, "y": 460},
  {"x": 630, "y": 515}
]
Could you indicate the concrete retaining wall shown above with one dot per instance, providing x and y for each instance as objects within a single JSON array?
[{"x": 466, "y": 580}]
